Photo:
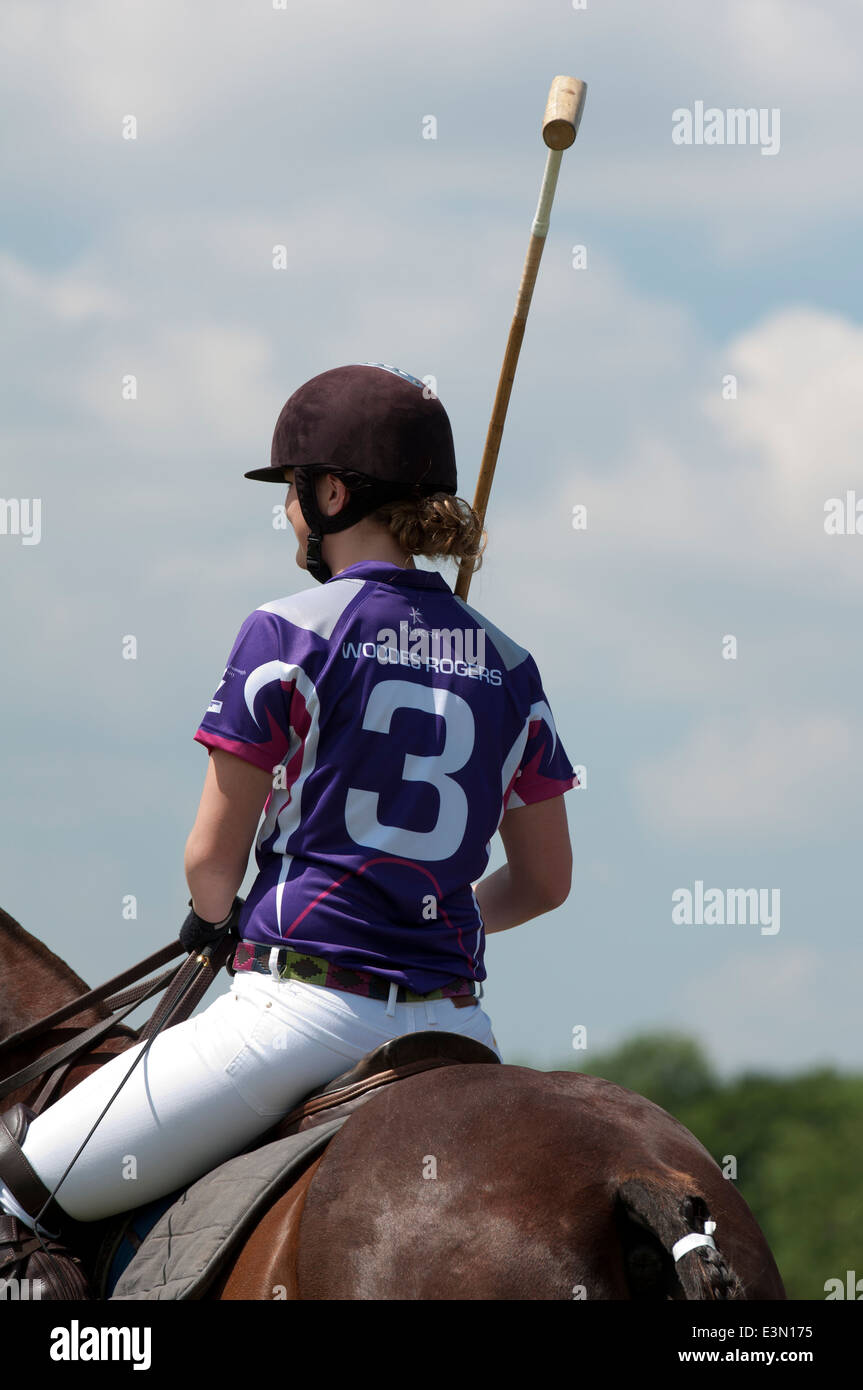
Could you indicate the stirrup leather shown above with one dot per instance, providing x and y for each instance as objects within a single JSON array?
[
  {"x": 17, "y": 1173},
  {"x": 23, "y": 1253}
]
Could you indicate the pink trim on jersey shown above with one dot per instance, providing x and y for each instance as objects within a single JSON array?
[
  {"x": 548, "y": 788},
  {"x": 531, "y": 781},
  {"x": 254, "y": 753},
  {"x": 533, "y": 786},
  {"x": 382, "y": 859}
]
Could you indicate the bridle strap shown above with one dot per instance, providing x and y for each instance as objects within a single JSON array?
[
  {"x": 188, "y": 982},
  {"x": 96, "y": 996}
]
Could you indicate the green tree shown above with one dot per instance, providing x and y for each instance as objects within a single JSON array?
[{"x": 669, "y": 1068}]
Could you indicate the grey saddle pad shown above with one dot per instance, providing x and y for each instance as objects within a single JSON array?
[{"x": 185, "y": 1250}]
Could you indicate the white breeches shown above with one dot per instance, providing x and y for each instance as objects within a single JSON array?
[{"x": 211, "y": 1085}]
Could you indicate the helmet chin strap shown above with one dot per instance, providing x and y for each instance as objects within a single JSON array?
[
  {"x": 304, "y": 482},
  {"x": 315, "y": 563},
  {"x": 357, "y": 507}
]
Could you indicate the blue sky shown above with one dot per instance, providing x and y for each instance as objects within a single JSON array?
[{"x": 302, "y": 127}]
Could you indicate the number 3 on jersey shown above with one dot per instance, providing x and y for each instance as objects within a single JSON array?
[{"x": 361, "y": 806}]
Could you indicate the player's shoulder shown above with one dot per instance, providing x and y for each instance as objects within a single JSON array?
[
  {"x": 512, "y": 654},
  {"x": 315, "y": 610}
]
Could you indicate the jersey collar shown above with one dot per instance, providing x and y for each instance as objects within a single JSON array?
[{"x": 384, "y": 572}]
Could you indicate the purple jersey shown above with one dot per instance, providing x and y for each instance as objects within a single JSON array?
[{"x": 400, "y": 725}]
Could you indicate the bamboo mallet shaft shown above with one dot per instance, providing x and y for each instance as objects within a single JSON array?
[{"x": 559, "y": 129}]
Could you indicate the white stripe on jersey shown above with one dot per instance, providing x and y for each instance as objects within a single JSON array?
[
  {"x": 511, "y": 654},
  {"x": 513, "y": 758},
  {"x": 285, "y": 816},
  {"x": 316, "y": 610}
]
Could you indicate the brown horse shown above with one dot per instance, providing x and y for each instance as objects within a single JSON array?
[{"x": 495, "y": 1182}]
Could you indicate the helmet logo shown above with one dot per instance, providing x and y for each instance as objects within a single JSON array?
[{"x": 397, "y": 371}]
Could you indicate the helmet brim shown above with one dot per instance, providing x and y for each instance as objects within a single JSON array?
[{"x": 267, "y": 475}]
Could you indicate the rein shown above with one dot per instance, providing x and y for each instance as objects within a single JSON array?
[{"x": 186, "y": 984}]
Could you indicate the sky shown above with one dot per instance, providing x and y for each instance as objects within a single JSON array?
[{"x": 690, "y": 377}]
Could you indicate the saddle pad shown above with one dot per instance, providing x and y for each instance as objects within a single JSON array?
[
  {"x": 124, "y": 1237},
  {"x": 185, "y": 1250}
]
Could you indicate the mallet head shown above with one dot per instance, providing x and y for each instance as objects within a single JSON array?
[{"x": 563, "y": 112}]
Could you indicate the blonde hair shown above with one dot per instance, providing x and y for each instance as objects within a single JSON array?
[{"x": 438, "y": 526}]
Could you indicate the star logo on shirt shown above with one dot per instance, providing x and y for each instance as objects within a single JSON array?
[{"x": 416, "y": 616}]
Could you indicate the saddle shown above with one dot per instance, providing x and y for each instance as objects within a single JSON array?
[
  {"x": 329, "y": 1105},
  {"x": 400, "y": 1057}
]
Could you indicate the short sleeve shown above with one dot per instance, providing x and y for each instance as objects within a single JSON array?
[
  {"x": 249, "y": 714},
  {"x": 544, "y": 770}
]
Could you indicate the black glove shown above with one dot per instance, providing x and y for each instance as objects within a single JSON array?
[{"x": 195, "y": 933}]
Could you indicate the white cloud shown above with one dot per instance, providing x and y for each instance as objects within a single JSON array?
[
  {"x": 701, "y": 528},
  {"x": 202, "y": 384},
  {"x": 62, "y": 295},
  {"x": 792, "y": 43},
  {"x": 774, "y": 777},
  {"x": 800, "y": 405},
  {"x": 307, "y": 97},
  {"x": 776, "y": 1006}
]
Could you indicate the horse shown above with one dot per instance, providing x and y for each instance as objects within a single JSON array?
[{"x": 494, "y": 1182}]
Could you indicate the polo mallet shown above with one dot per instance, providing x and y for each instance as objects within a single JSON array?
[{"x": 559, "y": 129}]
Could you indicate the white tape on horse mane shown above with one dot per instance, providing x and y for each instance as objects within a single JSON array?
[{"x": 691, "y": 1242}]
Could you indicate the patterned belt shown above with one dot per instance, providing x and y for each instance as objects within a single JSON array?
[{"x": 315, "y": 970}]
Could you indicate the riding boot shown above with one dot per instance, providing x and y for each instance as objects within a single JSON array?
[{"x": 31, "y": 1251}]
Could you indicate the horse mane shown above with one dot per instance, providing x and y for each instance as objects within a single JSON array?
[{"x": 11, "y": 928}]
